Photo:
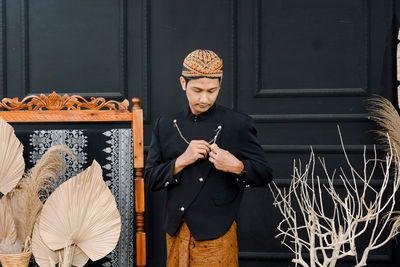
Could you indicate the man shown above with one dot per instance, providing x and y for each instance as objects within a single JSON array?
[{"x": 204, "y": 157}]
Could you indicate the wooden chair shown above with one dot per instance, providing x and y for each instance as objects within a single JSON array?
[{"x": 55, "y": 108}]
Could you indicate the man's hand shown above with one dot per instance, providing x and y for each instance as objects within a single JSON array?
[
  {"x": 224, "y": 161},
  {"x": 197, "y": 149}
]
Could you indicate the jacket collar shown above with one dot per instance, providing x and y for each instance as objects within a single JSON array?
[{"x": 201, "y": 116}]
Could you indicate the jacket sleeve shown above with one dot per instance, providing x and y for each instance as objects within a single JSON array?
[
  {"x": 159, "y": 173},
  {"x": 256, "y": 169}
]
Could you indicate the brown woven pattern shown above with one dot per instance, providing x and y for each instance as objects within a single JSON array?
[
  {"x": 184, "y": 251},
  {"x": 202, "y": 63},
  {"x": 15, "y": 260}
]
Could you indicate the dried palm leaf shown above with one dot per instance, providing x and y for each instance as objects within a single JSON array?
[
  {"x": 82, "y": 211},
  {"x": 46, "y": 257},
  {"x": 79, "y": 258},
  {"x": 8, "y": 234},
  {"x": 72, "y": 255},
  {"x": 12, "y": 163},
  {"x": 36, "y": 185},
  {"x": 8, "y": 247},
  {"x": 385, "y": 115},
  {"x": 52, "y": 263}
]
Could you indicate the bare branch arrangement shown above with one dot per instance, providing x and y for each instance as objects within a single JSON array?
[{"x": 328, "y": 229}]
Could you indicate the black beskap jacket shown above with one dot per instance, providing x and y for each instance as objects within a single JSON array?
[{"x": 206, "y": 198}]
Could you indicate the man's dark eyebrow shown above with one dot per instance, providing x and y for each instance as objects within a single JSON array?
[{"x": 205, "y": 89}]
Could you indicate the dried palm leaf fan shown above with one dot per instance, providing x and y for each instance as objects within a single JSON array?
[
  {"x": 36, "y": 184},
  {"x": 12, "y": 163},
  {"x": 83, "y": 212},
  {"x": 12, "y": 168},
  {"x": 46, "y": 257},
  {"x": 26, "y": 204},
  {"x": 8, "y": 234}
]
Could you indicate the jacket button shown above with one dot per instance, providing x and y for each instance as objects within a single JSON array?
[
  {"x": 182, "y": 209},
  {"x": 201, "y": 179}
]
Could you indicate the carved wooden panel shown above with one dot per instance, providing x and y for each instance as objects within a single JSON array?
[
  {"x": 75, "y": 108},
  {"x": 55, "y": 101}
]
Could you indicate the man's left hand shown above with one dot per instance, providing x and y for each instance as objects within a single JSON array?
[{"x": 224, "y": 161}]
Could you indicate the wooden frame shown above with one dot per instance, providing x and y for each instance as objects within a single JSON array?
[{"x": 57, "y": 108}]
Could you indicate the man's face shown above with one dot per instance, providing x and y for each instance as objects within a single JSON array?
[{"x": 201, "y": 93}]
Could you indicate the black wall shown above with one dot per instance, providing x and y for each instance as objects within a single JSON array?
[{"x": 299, "y": 68}]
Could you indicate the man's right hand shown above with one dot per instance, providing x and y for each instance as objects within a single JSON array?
[{"x": 197, "y": 149}]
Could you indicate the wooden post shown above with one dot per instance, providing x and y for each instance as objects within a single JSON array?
[{"x": 137, "y": 125}]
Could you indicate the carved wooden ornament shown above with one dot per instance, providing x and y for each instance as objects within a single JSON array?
[{"x": 57, "y": 102}]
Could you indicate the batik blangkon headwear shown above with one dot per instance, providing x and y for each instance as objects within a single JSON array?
[{"x": 202, "y": 64}]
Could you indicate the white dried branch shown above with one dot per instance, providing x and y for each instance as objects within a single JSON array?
[{"x": 363, "y": 209}]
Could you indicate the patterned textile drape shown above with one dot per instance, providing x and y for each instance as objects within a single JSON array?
[{"x": 113, "y": 149}]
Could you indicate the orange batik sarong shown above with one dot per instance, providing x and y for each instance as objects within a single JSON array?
[{"x": 184, "y": 251}]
